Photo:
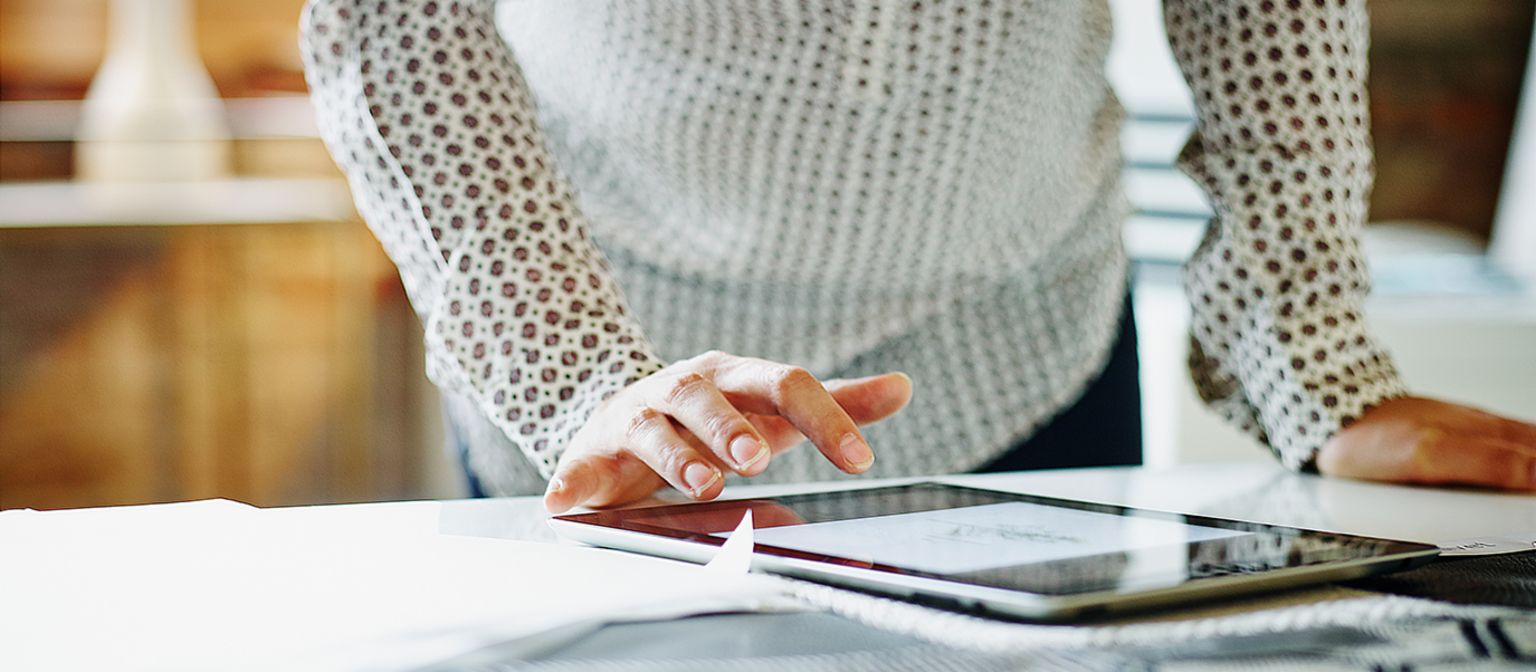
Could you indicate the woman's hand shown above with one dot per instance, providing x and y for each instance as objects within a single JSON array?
[
  {"x": 682, "y": 426},
  {"x": 1413, "y": 440}
]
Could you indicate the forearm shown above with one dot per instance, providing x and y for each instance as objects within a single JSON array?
[
  {"x": 432, "y": 122},
  {"x": 1282, "y": 148}
]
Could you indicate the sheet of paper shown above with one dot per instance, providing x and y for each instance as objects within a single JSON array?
[
  {"x": 735, "y": 556},
  {"x": 219, "y": 585},
  {"x": 976, "y": 538}
]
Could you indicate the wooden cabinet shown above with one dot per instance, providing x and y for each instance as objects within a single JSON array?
[{"x": 270, "y": 362}]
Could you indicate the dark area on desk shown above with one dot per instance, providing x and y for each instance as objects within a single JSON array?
[{"x": 1507, "y": 580}]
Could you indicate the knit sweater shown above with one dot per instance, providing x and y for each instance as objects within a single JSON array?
[{"x": 576, "y": 193}]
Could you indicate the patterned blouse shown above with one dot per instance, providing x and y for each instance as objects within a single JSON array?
[{"x": 576, "y": 193}]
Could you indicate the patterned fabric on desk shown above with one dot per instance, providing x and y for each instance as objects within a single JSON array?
[
  {"x": 1338, "y": 629},
  {"x": 1508, "y": 580}
]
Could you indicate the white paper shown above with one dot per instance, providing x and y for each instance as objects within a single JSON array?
[
  {"x": 224, "y": 586},
  {"x": 969, "y": 539},
  {"x": 735, "y": 556}
]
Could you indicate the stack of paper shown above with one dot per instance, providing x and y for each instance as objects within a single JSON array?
[{"x": 220, "y": 585}]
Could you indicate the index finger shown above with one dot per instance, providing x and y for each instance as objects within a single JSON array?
[{"x": 761, "y": 386}]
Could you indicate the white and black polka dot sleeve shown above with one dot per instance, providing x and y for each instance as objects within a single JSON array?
[
  {"x": 1282, "y": 148},
  {"x": 434, "y": 126}
]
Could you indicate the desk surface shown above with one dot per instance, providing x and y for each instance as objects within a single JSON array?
[
  {"x": 823, "y": 640},
  {"x": 1260, "y": 492}
]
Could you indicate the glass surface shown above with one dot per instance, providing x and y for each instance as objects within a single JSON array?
[
  {"x": 976, "y": 538},
  {"x": 1002, "y": 540}
]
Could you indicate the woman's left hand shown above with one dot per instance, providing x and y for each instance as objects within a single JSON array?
[{"x": 1429, "y": 442}]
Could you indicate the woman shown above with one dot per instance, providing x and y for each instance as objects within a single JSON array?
[{"x": 831, "y": 190}]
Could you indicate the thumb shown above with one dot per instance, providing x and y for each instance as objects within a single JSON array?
[{"x": 874, "y": 398}]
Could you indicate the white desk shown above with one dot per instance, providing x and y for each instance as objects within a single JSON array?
[
  {"x": 1261, "y": 492},
  {"x": 63, "y": 597}
]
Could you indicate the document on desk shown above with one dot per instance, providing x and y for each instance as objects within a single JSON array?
[{"x": 220, "y": 585}]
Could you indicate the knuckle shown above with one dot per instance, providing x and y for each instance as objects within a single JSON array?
[
  {"x": 722, "y": 426},
  {"x": 793, "y": 380},
  {"x": 684, "y": 387},
  {"x": 643, "y": 422},
  {"x": 672, "y": 458}
]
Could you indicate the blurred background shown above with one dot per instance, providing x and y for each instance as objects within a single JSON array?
[{"x": 215, "y": 320}]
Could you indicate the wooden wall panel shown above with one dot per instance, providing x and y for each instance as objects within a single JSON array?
[
  {"x": 1445, "y": 83},
  {"x": 236, "y": 361}
]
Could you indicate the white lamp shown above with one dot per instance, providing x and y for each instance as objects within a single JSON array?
[
  {"x": 152, "y": 113},
  {"x": 1514, "y": 230}
]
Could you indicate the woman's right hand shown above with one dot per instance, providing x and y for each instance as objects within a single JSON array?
[{"x": 684, "y": 425}]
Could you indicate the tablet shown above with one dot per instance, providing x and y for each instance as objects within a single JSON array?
[{"x": 1022, "y": 556}]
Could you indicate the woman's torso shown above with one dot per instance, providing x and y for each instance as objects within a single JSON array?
[{"x": 852, "y": 187}]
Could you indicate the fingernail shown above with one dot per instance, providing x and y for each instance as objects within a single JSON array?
[
  {"x": 856, "y": 452},
  {"x": 699, "y": 477},
  {"x": 556, "y": 486},
  {"x": 747, "y": 451}
]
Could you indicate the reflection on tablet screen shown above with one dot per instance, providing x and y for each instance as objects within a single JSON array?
[{"x": 975, "y": 538}]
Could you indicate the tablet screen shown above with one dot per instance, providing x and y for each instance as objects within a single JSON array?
[
  {"x": 1021, "y": 542},
  {"x": 975, "y": 538}
]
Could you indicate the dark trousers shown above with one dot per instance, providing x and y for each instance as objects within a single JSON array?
[{"x": 1102, "y": 428}]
